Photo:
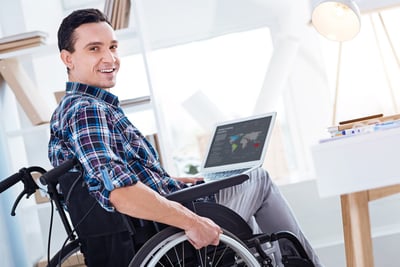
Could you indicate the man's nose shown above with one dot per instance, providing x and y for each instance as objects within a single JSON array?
[{"x": 109, "y": 56}]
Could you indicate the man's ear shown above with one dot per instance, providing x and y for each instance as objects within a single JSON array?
[{"x": 66, "y": 58}]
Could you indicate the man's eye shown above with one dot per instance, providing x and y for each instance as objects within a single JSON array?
[
  {"x": 114, "y": 47},
  {"x": 94, "y": 48}
]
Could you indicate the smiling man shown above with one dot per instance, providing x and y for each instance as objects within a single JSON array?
[{"x": 120, "y": 168}]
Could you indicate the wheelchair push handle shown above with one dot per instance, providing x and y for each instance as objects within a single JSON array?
[
  {"x": 10, "y": 181},
  {"x": 51, "y": 177},
  {"x": 25, "y": 176}
]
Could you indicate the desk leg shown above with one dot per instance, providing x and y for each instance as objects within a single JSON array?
[{"x": 357, "y": 230}]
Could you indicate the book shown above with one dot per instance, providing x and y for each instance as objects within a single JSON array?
[
  {"x": 20, "y": 46},
  {"x": 22, "y": 40},
  {"x": 22, "y": 36},
  {"x": 364, "y": 125},
  {"x": 361, "y": 119},
  {"x": 364, "y": 121},
  {"x": 118, "y": 11}
]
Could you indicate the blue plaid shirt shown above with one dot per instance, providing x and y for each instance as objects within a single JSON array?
[{"x": 90, "y": 124}]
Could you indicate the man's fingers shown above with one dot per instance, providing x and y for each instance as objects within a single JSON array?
[
  {"x": 216, "y": 240},
  {"x": 194, "y": 244},
  {"x": 197, "y": 245}
]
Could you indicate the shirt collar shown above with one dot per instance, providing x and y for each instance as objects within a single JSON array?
[{"x": 84, "y": 89}]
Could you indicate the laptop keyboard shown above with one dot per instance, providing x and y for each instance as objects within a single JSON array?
[{"x": 223, "y": 174}]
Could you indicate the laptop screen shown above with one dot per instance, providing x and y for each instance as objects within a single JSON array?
[{"x": 238, "y": 142}]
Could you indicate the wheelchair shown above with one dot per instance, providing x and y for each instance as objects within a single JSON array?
[
  {"x": 238, "y": 245},
  {"x": 157, "y": 244}
]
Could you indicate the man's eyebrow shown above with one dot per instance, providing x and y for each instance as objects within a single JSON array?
[
  {"x": 93, "y": 43},
  {"x": 100, "y": 43}
]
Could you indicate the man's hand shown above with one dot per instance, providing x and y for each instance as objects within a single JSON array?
[
  {"x": 189, "y": 180},
  {"x": 203, "y": 233}
]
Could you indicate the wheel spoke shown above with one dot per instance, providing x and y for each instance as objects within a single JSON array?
[
  {"x": 214, "y": 255},
  {"x": 205, "y": 256},
  {"x": 221, "y": 255},
  {"x": 177, "y": 255},
  {"x": 183, "y": 254},
  {"x": 200, "y": 257},
  {"x": 169, "y": 260}
]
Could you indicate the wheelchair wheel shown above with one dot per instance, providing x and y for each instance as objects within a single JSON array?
[
  {"x": 69, "y": 256},
  {"x": 170, "y": 247}
]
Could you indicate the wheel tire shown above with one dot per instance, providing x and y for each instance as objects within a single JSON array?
[{"x": 171, "y": 247}]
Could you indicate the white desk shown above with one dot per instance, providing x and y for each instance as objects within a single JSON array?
[{"x": 360, "y": 169}]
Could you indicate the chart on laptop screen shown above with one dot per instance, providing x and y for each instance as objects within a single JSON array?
[{"x": 238, "y": 142}]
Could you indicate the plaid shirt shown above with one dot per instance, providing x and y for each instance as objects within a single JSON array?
[{"x": 90, "y": 124}]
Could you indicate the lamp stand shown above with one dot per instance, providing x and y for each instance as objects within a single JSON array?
[{"x": 338, "y": 67}]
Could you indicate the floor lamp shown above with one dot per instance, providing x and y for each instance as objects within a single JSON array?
[
  {"x": 338, "y": 21},
  {"x": 382, "y": 57}
]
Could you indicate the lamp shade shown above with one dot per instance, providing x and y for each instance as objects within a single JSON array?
[{"x": 337, "y": 20}]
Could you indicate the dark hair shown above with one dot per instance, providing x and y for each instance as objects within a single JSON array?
[{"x": 66, "y": 39}]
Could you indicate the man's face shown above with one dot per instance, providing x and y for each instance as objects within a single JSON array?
[{"x": 95, "y": 60}]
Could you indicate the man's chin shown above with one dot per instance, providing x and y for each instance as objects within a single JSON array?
[{"x": 107, "y": 86}]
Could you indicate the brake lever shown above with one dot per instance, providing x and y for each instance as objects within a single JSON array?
[
  {"x": 30, "y": 186},
  {"x": 17, "y": 201}
]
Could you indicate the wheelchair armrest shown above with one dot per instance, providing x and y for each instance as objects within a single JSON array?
[{"x": 205, "y": 189}]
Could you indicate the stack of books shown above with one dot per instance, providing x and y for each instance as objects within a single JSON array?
[
  {"x": 22, "y": 41},
  {"x": 117, "y": 12},
  {"x": 364, "y": 125}
]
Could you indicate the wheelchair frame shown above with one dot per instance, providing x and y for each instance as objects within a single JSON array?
[{"x": 238, "y": 246}]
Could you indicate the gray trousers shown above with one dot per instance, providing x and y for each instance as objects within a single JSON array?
[{"x": 259, "y": 199}]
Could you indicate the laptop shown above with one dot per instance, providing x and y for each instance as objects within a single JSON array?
[{"x": 237, "y": 146}]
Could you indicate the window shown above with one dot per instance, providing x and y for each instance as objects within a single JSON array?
[{"x": 203, "y": 82}]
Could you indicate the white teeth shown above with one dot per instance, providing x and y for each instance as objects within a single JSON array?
[{"x": 108, "y": 70}]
